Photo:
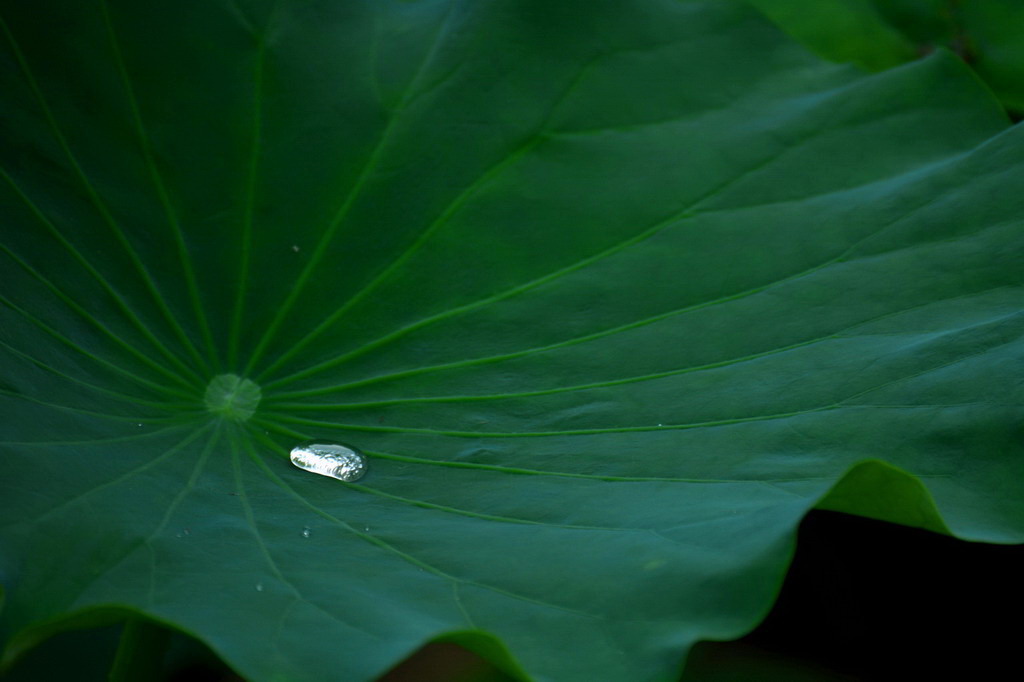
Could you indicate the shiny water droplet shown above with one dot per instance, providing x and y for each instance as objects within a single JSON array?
[
  {"x": 306, "y": 532},
  {"x": 259, "y": 587},
  {"x": 338, "y": 461}
]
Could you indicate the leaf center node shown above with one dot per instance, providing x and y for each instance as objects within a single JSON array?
[{"x": 232, "y": 397}]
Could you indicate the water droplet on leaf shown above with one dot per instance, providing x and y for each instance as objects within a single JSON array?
[
  {"x": 259, "y": 587},
  {"x": 338, "y": 461},
  {"x": 306, "y": 532}
]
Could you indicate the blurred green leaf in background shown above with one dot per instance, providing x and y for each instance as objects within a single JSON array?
[{"x": 879, "y": 34}]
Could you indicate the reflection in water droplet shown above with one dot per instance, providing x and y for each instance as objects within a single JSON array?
[
  {"x": 338, "y": 461},
  {"x": 306, "y": 532}
]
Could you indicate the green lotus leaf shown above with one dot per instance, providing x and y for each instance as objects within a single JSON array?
[{"x": 609, "y": 296}]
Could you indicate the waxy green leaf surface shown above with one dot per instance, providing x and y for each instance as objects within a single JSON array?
[{"x": 610, "y": 296}]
